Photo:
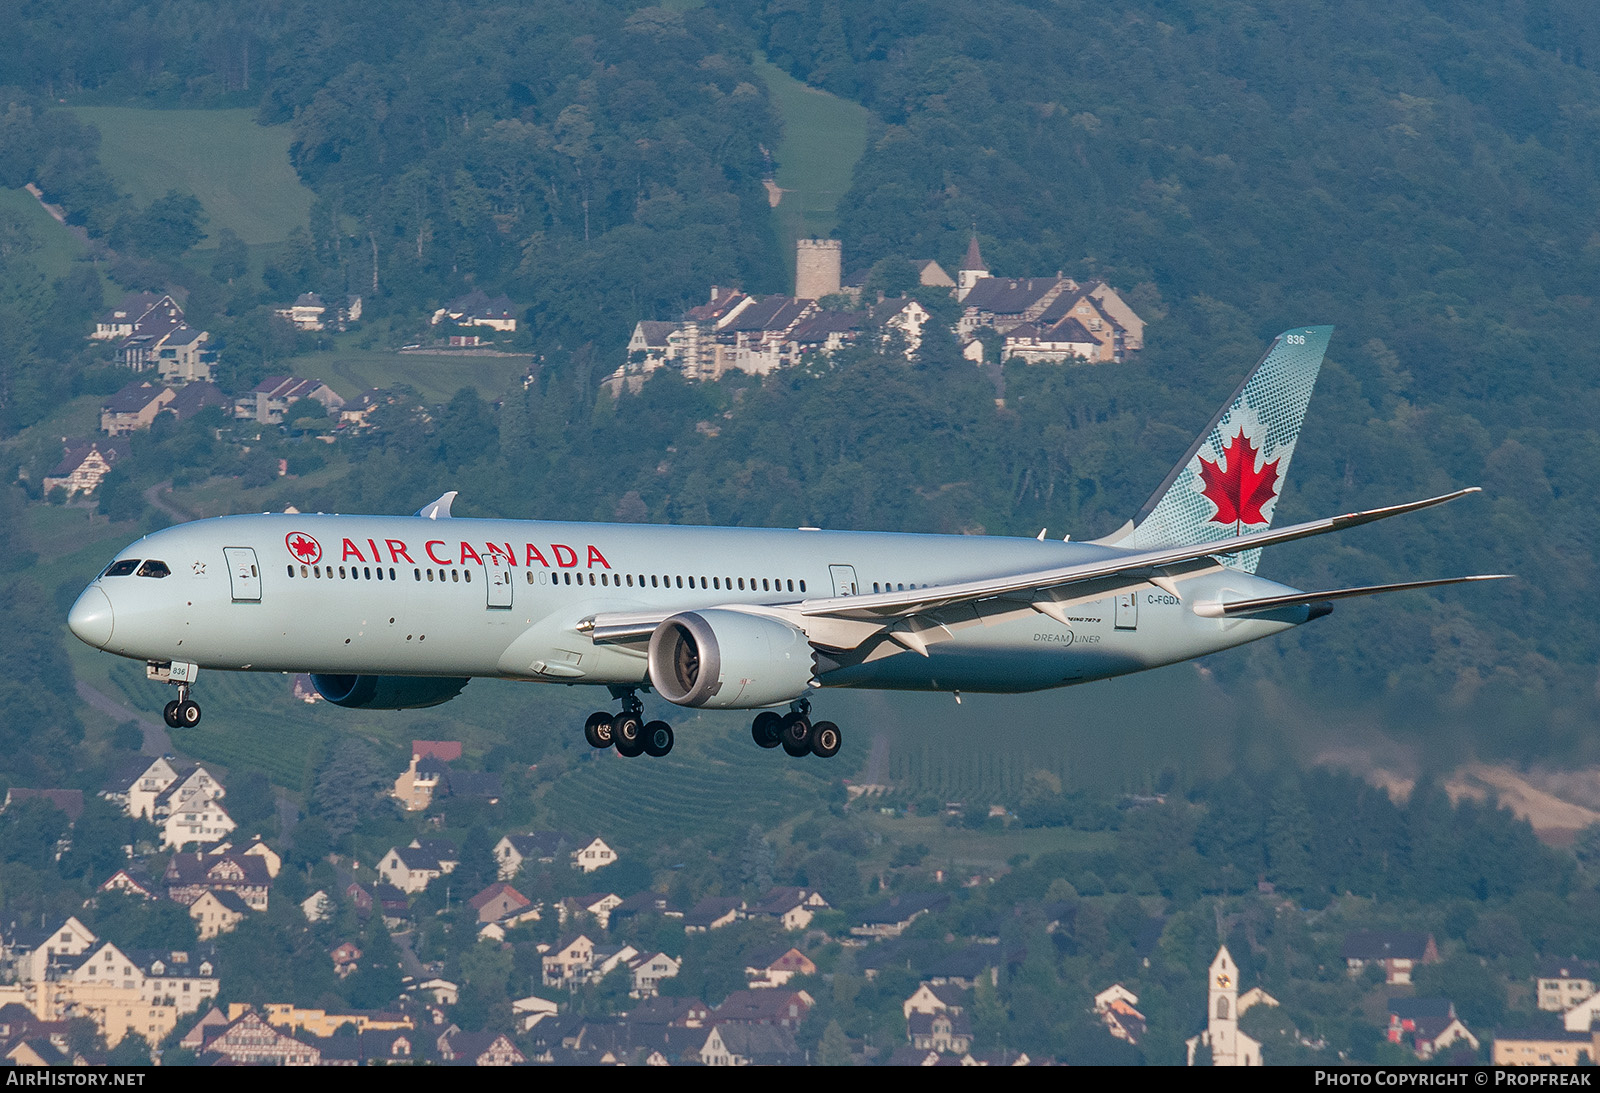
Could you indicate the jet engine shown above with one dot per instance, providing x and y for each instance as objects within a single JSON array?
[
  {"x": 729, "y": 660},
  {"x": 386, "y": 692}
]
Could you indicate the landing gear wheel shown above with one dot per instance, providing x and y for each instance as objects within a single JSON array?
[
  {"x": 188, "y": 714},
  {"x": 765, "y": 728},
  {"x": 657, "y": 739},
  {"x": 628, "y": 733},
  {"x": 795, "y": 734},
  {"x": 170, "y": 714},
  {"x": 597, "y": 730},
  {"x": 825, "y": 739}
]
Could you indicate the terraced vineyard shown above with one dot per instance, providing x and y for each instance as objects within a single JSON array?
[{"x": 712, "y": 779}]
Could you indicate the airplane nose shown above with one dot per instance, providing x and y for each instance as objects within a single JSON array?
[{"x": 90, "y": 618}]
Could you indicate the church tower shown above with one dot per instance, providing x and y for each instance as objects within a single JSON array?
[
  {"x": 972, "y": 269},
  {"x": 1223, "y": 1007}
]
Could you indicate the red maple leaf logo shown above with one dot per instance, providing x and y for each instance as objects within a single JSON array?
[
  {"x": 304, "y": 547},
  {"x": 1234, "y": 485}
]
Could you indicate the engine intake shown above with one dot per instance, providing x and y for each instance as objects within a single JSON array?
[
  {"x": 729, "y": 660},
  {"x": 387, "y": 692}
]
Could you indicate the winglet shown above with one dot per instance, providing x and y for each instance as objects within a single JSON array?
[{"x": 439, "y": 509}]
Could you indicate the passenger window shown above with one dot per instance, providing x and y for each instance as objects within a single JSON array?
[
  {"x": 153, "y": 568},
  {"x": 455, "y": 576},
  {"x": 430, "y": 574},
  {"x": 791, "y": 586},
  {"x": 468, "y": 573},
  {"x": 741, "y": 584},
  {"x": 316, "y": 572},
  {"x": 341, "y": 573},
  {"x": 122, "y": 568},
  {"x": 368, "y": 571},
  {"x": 802, "y": 585}
]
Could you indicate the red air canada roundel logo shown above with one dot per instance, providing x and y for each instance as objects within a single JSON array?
[
  {"x": 1235, "y": 486},
  {"x": 303, "y": 547}
]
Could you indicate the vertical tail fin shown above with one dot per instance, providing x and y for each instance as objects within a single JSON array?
[{"x": 1229, "y": 481}]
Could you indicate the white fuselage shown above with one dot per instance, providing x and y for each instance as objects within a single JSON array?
[{"x": 453, "y": 597}]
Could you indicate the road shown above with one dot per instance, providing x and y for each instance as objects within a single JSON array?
[{"x": 156, "y": 740}]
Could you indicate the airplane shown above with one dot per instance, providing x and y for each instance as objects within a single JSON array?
[{"x": 397, "y": 612}]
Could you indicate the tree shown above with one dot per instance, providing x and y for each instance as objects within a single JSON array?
[
  {"x": 834, "y": 1049},
  {"x": 348, "y": 786}
]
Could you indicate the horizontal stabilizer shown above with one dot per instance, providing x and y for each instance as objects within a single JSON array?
[{"x": 1236, "y": 608}]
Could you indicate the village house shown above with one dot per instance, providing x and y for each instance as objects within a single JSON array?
[
  {"x": 217, "y": 912},
  {"x": 197, "y": 821},
  {"x": 750, "y": 1045},
  {"x": 775, "y": 966},
  {"x": 133, "y": 882},
  {"x": 1429, "y": 1024},
  {"x": 430, "y": 762},
  {"x": 134, "y": 407},
  {"x": 305, "y": 313},
  {"x": 649, "y": 969},
  {"x": 477, "y": 308},
  {"x": 487, "y": 1048},
  {"x": 794, "y": 908},
  {"x": 565, "y": 964},
  {"x": 1543, "y": 1047},
  {"x": 409, "y": 870},
  {"x": 595, "y": 854},
  {"x": 249, "y": 1040},
  {"x": 317, "y": 907},
  {"x": 84, "y": 465},
  {"x": 324, "y": 1023},
  {"x": 146, "y": 992},
  {"x": 119, "y": 321},
  {"x": 270, "y": 399},
  {"x": 783, "y": 1008},
  {"x": 597, "y": 905},
  {"x": 713, "y": 913},
  {"x": 1562, "y": 984},
  {"x": 1117, "y": 1008},
  {"x": 191, "y": 875},
  {"x": 498, "y": 902},
  {"x": 513, "y": 851},
  {"x": 938, "y": 998},
  {"x": 892, "y": 916},
  {"x": 1397, "y": 952}
]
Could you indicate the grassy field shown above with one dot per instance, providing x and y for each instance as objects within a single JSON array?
[
  {"x": 436, "y": 378},
  {"x": 239, "y": 170},
  {"x": 823, "y": 137},
  {"x": 58, "y": 247}
]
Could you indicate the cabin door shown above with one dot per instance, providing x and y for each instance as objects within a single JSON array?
[
  {"x": 497, "y": 574},
  {"x": 844, "y": 579},
  {"x": 244, "y": 573}
]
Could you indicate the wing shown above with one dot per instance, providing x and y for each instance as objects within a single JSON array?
[{"x": 845, "y": 622}]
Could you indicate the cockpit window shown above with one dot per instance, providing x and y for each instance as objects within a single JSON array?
[
  {"x": 153, "y": 568},
  {"x": 121, "y": 568}
]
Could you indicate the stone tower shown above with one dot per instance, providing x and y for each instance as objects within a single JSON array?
[
  {"x": 818, "y": 268},
  {"x": 972, "y": 269}
]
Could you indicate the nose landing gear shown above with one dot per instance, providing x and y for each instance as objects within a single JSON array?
[
  {"x": 796, "y": 732},
  {"x": 182, "y": 712},
  {"x": 627, "y": 732}
]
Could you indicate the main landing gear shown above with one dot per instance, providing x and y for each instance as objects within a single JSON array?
[
  {"x": 628, "y": 731},
  {"x": 796, "y": 732}
]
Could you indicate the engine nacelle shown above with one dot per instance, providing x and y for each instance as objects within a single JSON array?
[
  {"x": 387, "y": 692},
  {"x": 729, "y": 660}
]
